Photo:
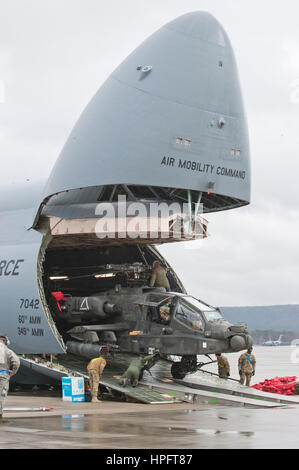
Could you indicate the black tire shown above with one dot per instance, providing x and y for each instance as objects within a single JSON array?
[
  {"x": 177, "y": 371},
  {"x": 189, "y": 363}
]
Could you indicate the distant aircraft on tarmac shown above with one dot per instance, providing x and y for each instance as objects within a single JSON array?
[{"x": 273, "y": 343}]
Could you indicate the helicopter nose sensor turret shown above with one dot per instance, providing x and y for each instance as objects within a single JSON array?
[{"x": 239, "y": 338}]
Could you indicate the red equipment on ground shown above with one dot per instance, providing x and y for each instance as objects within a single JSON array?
[{"x": 281, "y": 385}]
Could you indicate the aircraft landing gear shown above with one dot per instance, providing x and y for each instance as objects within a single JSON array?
[{"x": 186, "y": 365}]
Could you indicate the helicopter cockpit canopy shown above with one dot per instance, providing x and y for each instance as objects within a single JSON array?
[
  {"x": 189, "y": 316},
  {"x": 186, "y": 309},
  {"x": 210, "y": 314},
  {"x": 194, "y": 313}
]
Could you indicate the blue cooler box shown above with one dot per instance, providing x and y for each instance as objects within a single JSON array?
[{"x": 73, "y": 389}]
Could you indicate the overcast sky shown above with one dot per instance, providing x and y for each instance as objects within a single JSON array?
[{"x": 55, "y": 54}]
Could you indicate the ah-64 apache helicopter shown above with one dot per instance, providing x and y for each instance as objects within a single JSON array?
[{"x": 129, "y": 318}]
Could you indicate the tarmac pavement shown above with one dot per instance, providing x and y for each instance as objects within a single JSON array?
[
  {"x": 105, "y": 425},
  {"x": 58, "y": 407},
  {"x": 117, "y": 427}
]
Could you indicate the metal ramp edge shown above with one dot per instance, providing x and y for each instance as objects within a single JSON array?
[
  {"x": 53, "y": 371},
  {"x": 56, "y": 371},
  {"x": 142, "y": 392},
  {"x": 242, "y": 391},
  {"x": 194, "y": 395}
]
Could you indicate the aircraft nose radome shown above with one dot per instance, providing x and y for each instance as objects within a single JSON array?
[
  {"x": 200, "y": 25},
  {"x": 171, "y": 114}
]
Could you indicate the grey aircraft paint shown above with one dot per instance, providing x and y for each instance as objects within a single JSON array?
[
  {"x": 178, "y": 121},
  {"x": 170, "y": 116},
  {"x": 23, "y": 317}
]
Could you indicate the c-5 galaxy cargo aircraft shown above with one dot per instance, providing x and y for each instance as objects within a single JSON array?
[
  {"x": 276, "y": 342},
  {"x": 167, "y": 127}
]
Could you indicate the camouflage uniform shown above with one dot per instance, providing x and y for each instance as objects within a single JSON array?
[
  {"x": 246, "y": 368},
  {"x": 159, "y": 278},
  {"x": 134, "y": 370},
  {"x": 9, "y": 365},
  {"x": 223, "y": 366},
  {"x": 165, "y": 313},
  {"x": 95, "y": 369}
]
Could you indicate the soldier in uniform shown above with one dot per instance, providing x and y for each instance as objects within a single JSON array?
[
  {"x": 164, "y": 312},
  {"x": 134, "y": 370},
  {"x": 9, "y": 365},
  {"x": 159, "y": 278},
  {"x": 223, "y": 366},
  {"x": 246, "y": 366},
  {"x": 95, "y": 369}
]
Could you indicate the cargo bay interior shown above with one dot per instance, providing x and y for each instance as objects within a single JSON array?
[{"x": 89, "y": 270}]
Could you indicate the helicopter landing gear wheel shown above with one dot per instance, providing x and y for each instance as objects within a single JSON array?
[
  {"x": 186, "y": 365},
  {"x": 177, "y": 370},
  {"x": 189, "y": 363}
]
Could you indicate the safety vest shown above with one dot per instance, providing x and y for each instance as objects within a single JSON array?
[{"x": 95, "y": 359}]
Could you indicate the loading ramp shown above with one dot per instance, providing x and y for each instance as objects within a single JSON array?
[
  {"x": 109, "y": 380},
  {"x": 141, "y": 393},
  {"x": 157, "y": 386},
  {"x": 204, "y": 380},
  {"x": 52, "y": 373},
  {"x": 197, "y": 396}
]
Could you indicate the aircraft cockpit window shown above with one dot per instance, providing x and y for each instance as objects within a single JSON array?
[
  {"x": 235, "y": 153},
  {"x": 190, "y": 317},
  {"x": 181, "y": 141},
  {"x": 213, "y": 316},
  {"x": 198, "y": 304},
  {"x": 157, "y": 298},
  {"x": 210, "y": 313}
]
